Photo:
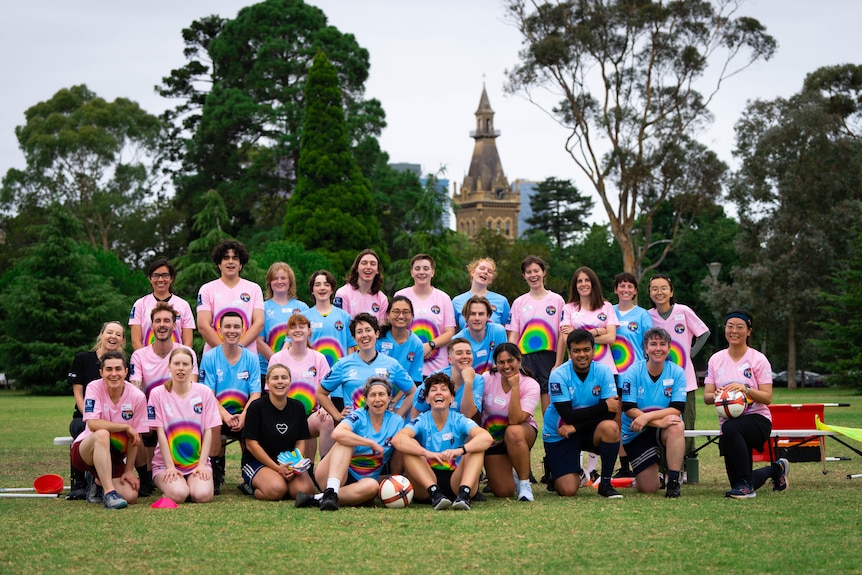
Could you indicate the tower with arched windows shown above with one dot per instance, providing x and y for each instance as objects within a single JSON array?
[{"x": 486, "y": 200}]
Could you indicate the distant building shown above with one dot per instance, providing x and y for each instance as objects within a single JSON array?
[
  {"x": 526, "y": 189},
  {"x": 485, "y": 199}
]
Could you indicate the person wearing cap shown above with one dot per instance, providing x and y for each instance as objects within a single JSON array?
[{"x": 363, "y": 446}]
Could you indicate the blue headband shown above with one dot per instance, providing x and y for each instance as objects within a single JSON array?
[{"x": 739, "y": 315}]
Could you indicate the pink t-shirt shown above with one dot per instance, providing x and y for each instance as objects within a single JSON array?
[
  {"x": 131, "y": 409},
  {"x": 184, "y": 420},
  {"x": 431, "y": 316},
  {"x": 576, "y": 317},
  {"x": 536, "y": 321},
  {"x": 683, "y": 325},
  {"x": 495, "y": 403},
  {"x": 141, "y": 310},
  {"x": 151, "y": 370},
  {"x": 753, "y": 368},
  {"x": 217, "y": 298},
  {"x": 355, "y": 302},
  {"x": 305, "y": 375}
]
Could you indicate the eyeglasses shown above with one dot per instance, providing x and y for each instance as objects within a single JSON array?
[
  {"x": 398, "y": 312},
  {"x": 735, "y": 327},
  {"x": 662, "y": 289},
  {"x": 163, "y": 276}
]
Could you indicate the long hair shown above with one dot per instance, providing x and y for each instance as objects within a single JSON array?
[
  {"x": 169, "y": 384},
  {"x": 291, "y": 279},
  {"x": 597, "y": 300},
  {"x": 353, "y": 275},
  {"x": 669, "y": 281}
]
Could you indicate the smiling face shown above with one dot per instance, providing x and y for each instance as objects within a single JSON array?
[
  {"x": 230, "y": 330},
  {"x": 181, "y": 367},
  {"x": 163, "y": 325},
  {"x": 400, "y": 315},
  {"x": 461, "y": 356},
  {"x": 656, "y": 350},
  {"x": 534, "y": 275},
  {"x": 377, "y": 399},
  {"x": 280, "y": 284},
  {"x": 484, "y": 273},
  {"x": 230, "y": 265},
  {"x": 322, "y": 289},
  {"x": 507, "y": 365},
  {"x": 112, "y": 337},
  {"x": 660, "y": 292},
  {"x": 299, "y": 332},
  {"x": 278, "y": 381},
  {"x": 439, "y": 397},
  {"x": 365, "y": 336},
  {"x": 584, "y": 286},
  {"x": 626, "y": 292},
  {"x": 160, "y": 280},
  {"x": 422, "y": 271},
  {"x": 736, "y": 332},
  {"x": 581, "y": 355},
  {"x": 477, "y": 317},
  {"x": 113, "y": 372},
  {"x": 368, "y": 268}
]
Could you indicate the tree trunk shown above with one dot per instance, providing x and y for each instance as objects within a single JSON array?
[{"x": 791, "y": 354}]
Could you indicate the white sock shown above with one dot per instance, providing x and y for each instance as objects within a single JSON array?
[
  {"x": 592, "y": 462},
  {"x": 334, "y": 484}
]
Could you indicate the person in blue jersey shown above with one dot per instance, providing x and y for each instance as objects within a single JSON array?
[
  {"x": 482, "y": 335},
  {"x": 443, "y": 450},
  {"x": 653, "y": 401},
  {"x": 279, "y": 305},
  {"x": 482, "y": 272},
  {"x": 468, "y": 385},
  {"x": 233, "y": 374},
  {"x": 397, "y": 341},
  {"x": 627, "y": 349},
  {"x": 584, "y": 403},
  {"x": 363, "y": 446},
  {"x": 350, "y": 373}
]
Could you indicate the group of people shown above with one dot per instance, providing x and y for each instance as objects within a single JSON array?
[{"x": 440, "y": 389}]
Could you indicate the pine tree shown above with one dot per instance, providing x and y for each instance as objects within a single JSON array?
[
  {"x": 332, "y": 209},
  {"x": 559, "y": 210}
]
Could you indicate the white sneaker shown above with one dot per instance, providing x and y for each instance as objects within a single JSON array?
[{"x": 525, "y": 492}]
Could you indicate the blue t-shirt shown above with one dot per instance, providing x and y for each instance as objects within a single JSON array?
[
  {"x": 232, "y": 384},
  {"x": 454, "y": 434},
  {"x": 478, "y": 391},
  {"x": 410, "y": 355},
  {"x": 628, "y": 347},
  {"x": 330, "y": 334},
  {"x": 499, "y": 306},
  {"x": 638, "y": 387},
  {"x": 565, "y": 385},
  {"x": 275, "y": 325},
  {"x": 350, "y": 373},
  {"x": 366, "y": 463},
  {"x": 483, "y": 351}
]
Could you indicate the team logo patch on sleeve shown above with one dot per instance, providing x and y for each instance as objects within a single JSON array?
[
  {"x": 554, "y": 388},
  {"x": 338, "y": 302},
  {"x": 151, "y": 413},
  {"x": 132, "y": 313},
  {"x": 626, "y": 387},
  {"x": 89, "y": 405}
]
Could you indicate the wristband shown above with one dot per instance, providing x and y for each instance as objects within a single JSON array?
[{"x": 464, "y": 449}]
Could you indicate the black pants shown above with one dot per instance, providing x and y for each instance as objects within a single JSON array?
[{"x": 738, "y": 438}]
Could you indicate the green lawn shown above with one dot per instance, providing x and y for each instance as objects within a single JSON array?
[{"x": 812, "y": 528}]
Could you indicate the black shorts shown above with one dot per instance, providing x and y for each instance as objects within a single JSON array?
[
  {"x": 150, "y": 439},
  {"x": 644, "y": 450},
  {"x": 498, "y": 449},
  {"x": 564, "y": 456},
  {"x": 540, "y": 364},
  {"x": 338, "y": 402},
  {"x": 230, "y": 433},
  {"x": 444, "y": 481}
]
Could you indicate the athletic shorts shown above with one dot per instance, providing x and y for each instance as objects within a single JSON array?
[
  {"x": 564, "y": 457},
  {"x": 118, "y": 462},
  {"x": 150, "y": 439},
  {"x": 497, "y": 449},
  {"x": 645, "y": 449},
  {"x": 444, "y": 481},
  {"x": 228, "y": 432},
  {"x": 540, "y": 364},
  {"x": 250, "y": 469}
]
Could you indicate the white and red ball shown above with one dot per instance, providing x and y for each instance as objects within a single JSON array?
[
  {"x": 731, "y": 404},
  {"x": 395, "y": 491}
]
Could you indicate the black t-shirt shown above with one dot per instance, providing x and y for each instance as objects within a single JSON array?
[
  {"x": 85, "y": 368},
  {"x": 275, "y": 430}
]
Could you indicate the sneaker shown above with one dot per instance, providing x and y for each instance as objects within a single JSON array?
[
  {"x": 673, "y": 489},
  {"x": 246, "y": 489},
  {"x": 781, "y": 482},
  {"x": 584, "y": 479},
  {"x": 462, "y": 502},
  {"x": 607, "y": 490},
  {"x": 526, "y": 493},
  {"x": 94, "y": 490},
  {"x": 594, "y": 477},
  {"x": 742, "y": 491},
  {"x": 440, "y": 502},
  {"x": 305, "y": 500},
  {"x": 113, "y": 500},
  {"x": 623, "y": 473},
  {"x": 329, "y": 502},
  {"x": 480, "y": 497}
]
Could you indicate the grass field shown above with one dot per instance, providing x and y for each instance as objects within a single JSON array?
[{"x": 814, "y": 527}]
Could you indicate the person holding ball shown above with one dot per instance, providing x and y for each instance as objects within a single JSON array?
[{"x": 741, "y": 368}]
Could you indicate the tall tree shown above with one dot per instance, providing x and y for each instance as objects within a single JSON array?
[
  {"x": 332, "y": 208},
  {"x": 241, "y": 104},
  {"x": 626, "y": 73},
  {"x": 52, "y": 305},
  {"x": 798, "y": 192},
  {"x": 559, "y": 210},
  {"x": 92, "y": 156}
]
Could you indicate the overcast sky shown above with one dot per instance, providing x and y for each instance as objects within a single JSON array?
[{"x": 429, "y": 60}]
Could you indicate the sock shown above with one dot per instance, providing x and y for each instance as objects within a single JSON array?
[
  {"x": 144, "y": 474},
  {"x": 608, "y": 453},
  {"x": 592, "y": 462},
  {"x": 318, "y": 496},
  {"x": 464, "y": 492},
  {"x": 433, "y": 490},
  {"x": 523, "y": 485},
  {"x": 624, "y": 463},
  {"x": 673, "y": 475},
  {"x": 334, "y": 484}
]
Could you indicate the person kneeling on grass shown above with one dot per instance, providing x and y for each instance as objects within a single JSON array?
[
  {"x": 115, "y": 416},
  {"x": 443, "y": 450},
  {"x": 183, "y": 413},
  {"x": 275, "y": 423},
  {"x": 363, "y": 446},
  {"x": 653, "y": 402}
]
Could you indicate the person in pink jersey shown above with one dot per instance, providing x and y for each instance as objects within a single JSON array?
[
  {"x": 588, "y": 309},
  {"x": 150, "y": 368},
  {"x": 230, "y": 292},
  {"x": 688, "y": 334},
  {"x": 307, "y": 369},
  {"x": 534, "y": 324},
  {"x": 115, "y": 416},
  {"x": 508, "y": 402},
  {"x": 362, "y": 292},
  {"x": 185, "y": 416},
  {"x": 434, "y": 316},
  {"x": 161, "y": 274},
  {"x": 741, "y": 368}
]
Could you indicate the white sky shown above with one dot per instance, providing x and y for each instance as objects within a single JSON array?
[{"x": 428, "y": 60}]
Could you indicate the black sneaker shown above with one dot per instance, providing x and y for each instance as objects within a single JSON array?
[
  {"x": 329, "y": 502},
  {"x": 480, "y": 498},
  {"x": 742, "y": 491},
  {"x": 305, "y": 500},
  {"x": 673, "y": 489},
  {"x": 607, "y": 490},
  {"x": 623, "y": 473},
  {"x": 594, "y": 476},
  {"x": 462, "y": 502},
  {"x": 780, "y": 481},
  {"x": 246, "y": 489},
  {"x": 95, "y": 493},
  {"x": 440, "y": 502}
]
